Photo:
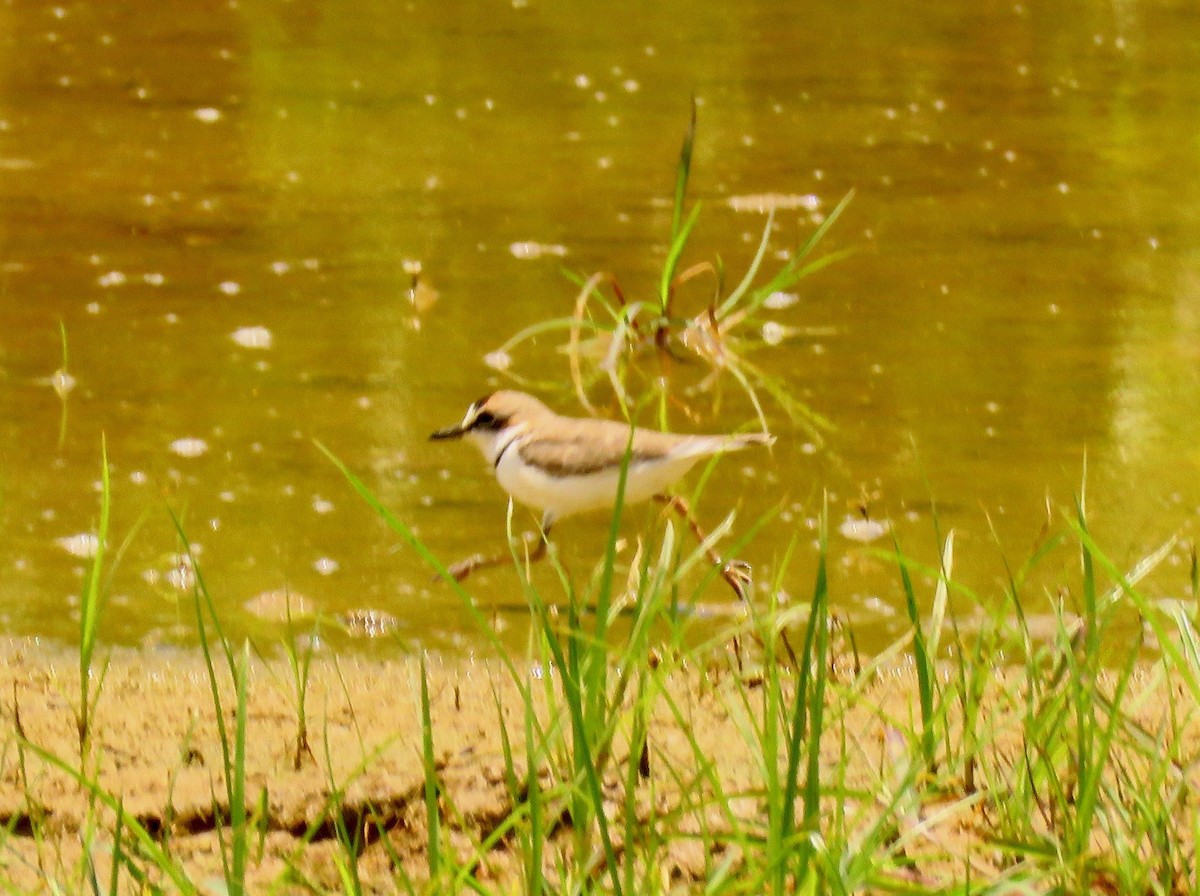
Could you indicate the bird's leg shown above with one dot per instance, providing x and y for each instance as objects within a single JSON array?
[
  {"x": 543, "y": 542},
  {"x": 736, "y": 573},
  {"x": 468, "y": 565},
  {"x": 465, "y": 567}
]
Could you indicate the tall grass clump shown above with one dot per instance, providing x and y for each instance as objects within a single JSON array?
[
  {"x": 299, "y": 649},
  {"x": 782, "y": 721},
  {"x": 1081, "y": 809},
  {"x": 1040, "y": 735},
  {"x": 93, "y": 597},
  {"x": 235, "y": 840},
  {"x": 630, "y": 344}
]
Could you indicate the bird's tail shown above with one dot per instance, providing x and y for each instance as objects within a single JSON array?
[
  {"x": 745, "y": 440},
  {"x": 706, "y": 445}
]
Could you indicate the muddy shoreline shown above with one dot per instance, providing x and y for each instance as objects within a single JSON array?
[{"x": 156, "y": 746}]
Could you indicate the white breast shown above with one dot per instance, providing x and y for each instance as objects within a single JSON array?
[{"x": 561, "y": 496}]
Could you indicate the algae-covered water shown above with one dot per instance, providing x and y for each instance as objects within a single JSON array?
[{"x": 223, "y": 208}]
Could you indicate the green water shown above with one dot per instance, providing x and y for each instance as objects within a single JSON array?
[{"x": 222, "y": 206}]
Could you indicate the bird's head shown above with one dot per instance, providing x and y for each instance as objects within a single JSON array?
[{"x": 495, "y": 420}]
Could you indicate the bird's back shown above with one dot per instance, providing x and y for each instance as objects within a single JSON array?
[{"x": 577, "y": 446}]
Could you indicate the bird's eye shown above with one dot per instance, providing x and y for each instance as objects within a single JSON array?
[{"x": 485, "y": 420}]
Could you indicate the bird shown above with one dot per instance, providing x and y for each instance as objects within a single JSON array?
[{"x": 564, "y": 466}]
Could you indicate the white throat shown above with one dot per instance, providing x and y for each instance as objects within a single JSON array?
[{"x": 492, "y": 443}]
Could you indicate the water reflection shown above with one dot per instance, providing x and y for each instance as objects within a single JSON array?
[{"x": 226, "y": 209}]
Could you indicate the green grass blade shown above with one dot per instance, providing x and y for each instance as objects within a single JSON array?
[
  {"x": 786, "y": 278},
  {"x": 118, "y": 853},
  {"x": 823, "y": 228},
  {"x": 432, "y": 816},
  {"x": 1189, "y": 675},
  {"x": 536, "y": 884},
  {"x": 608, "y": 569},
  {"x": 678, "y": 244},
  {"x": 683, "y": 171},
  {"x": 91, "y": 604},
  {"x": 751, "y": 272},
  {"x": 794, "y": 271},
  {"x": 806, "y": 723},
  {"x": 941, "y": 598},
  {"x": 235, "y": 777},
  {"x": 1090, "y": 602},
  {"x": 819, "y": 622},
  {"x": 548, "y": 326},
  {"x": 921, "y": 657}
]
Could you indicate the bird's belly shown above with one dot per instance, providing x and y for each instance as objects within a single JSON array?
[{"x": 567, "y": 495}]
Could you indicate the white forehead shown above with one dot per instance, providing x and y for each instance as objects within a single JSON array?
[{"x": 472, "y": 413}]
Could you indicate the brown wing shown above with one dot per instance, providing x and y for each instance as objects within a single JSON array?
[{"x": 585, "y": 446}]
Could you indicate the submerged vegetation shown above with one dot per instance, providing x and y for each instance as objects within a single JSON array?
[{"x": 633, "y": 345}]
